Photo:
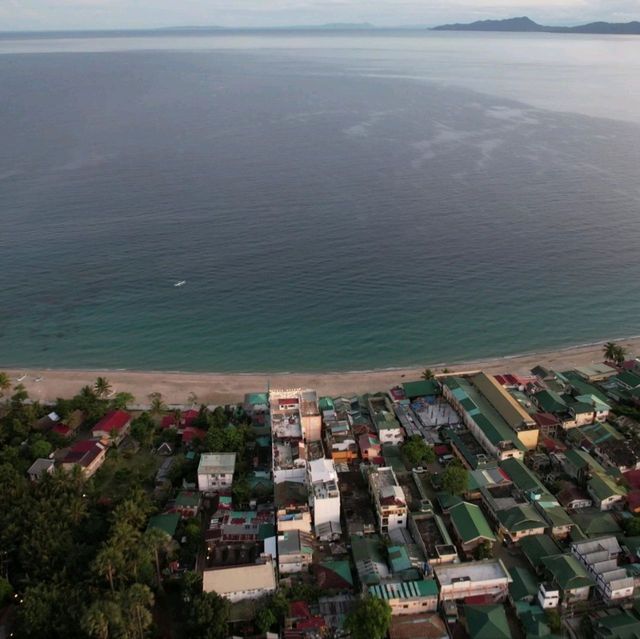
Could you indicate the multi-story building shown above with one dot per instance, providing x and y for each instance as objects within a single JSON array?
[
  {"x": 215, "y": 472},
  {"x": 388, "y": 427},
  {"x": 389, "y": 499},
  {"x": 324, "y": 497},
  {"x": 600, "y": 558},
  {"x": 488, "y": 579},
  {"x": 295, "y": 552},
  {"x": 237, "y": 583},
  {"x": 408, "y": 597}
]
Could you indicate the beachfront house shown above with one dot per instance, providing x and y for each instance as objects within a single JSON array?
[{"x": 113, "y": 427}]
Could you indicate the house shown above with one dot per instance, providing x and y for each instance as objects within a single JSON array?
[
  {"x": 40, "y": 468},
  {"x": 300, "y": 623},
  {"x": 113, "y": 426},
  {"x": 521, "y": 520},
  {"x": 536, "y": 548},
  {"x": 292, "y": 506},
  {"x": 295, "y": 552},
  {"x": 340, "y": 442},
  {"x": 600, "y": 558},
  {"x": 238, "y": 583},
  {"x": 619, "y": 454},
  {"x": 578, "y": 464},
  {"x": 388, "y": 498},
  {"x": 557, "y": 519},
  {"x": 488, "y": 578},
  {"x": 470, "y": 527},
  {"x": 615, "y": 624},
  {"x": 368, "y": 559},
  {"x": 567, "y": 575},
  {"x": 593, "y": 523},
  {"x": 523, "y": 587},
  {"x": 187, "y": 503},
  {"x": 369, "y": 446},
  {"x": 333, "y": 574},
  {"x": 573, "y": 498},
  {"x": 215, "y": 472},
  {"x": 426, "y": 626},
  {"x": 431, "y": 535},
  {"x": 487, "y": 622},
  {"x": 88, "y": 455},
  {"x": 604, "y": 491},
  {"x": 408, "y": 597},
  {"x": 165, "y": 522},
  {"x": 387, "y": 426}
]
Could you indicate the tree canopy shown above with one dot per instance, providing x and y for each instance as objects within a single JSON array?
[{"x": 369, "y": 619}]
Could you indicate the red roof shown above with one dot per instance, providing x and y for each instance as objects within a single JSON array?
[
  {"x": 187, "y": 418},
  {"x": 115, "y": 420},
  {"x": 288, "y": 401},
  {"x": 299, "y": 609},
  {"x": 553, "y": 444},
  {"x": 83, "y": 452},
  {"x": 545, "y": 419},
  {"x": 61, "y": 429},
  {"x": 442, "y": 449},
  {"x": 633, "y": 478},
  {"x": 190, "y": 433}
]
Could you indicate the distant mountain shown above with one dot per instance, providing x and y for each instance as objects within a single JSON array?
[{"x": 525, "y": 24}]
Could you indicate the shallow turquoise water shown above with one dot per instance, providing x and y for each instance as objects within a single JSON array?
[{"x": 335, "y": 204}]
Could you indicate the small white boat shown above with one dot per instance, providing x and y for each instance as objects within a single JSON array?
[
  {"x": 37, "y": 379},
  {"x": 180, "y": 283},
  {"x": 23, "y": 376}
]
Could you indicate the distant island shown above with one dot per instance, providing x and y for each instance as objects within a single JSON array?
[{"x": 526, "y": 25}]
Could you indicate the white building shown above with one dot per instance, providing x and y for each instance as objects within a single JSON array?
[
  {"x": 324, "y": 496},
  {"x": 215, "y": 471},
  {"x": 600, "y": 558},
  {"x": 488, "y": 578},
  {"x": 241, "y": 582},
  {"x": 389, "y": 499}
]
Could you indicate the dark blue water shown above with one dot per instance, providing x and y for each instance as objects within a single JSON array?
[{"x": 326, "y": 210}]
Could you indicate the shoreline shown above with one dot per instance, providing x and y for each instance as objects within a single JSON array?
[{"x": 177, "y": 387}]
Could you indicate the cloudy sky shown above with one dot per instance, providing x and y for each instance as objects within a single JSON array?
[{"x": 82, "y": 14}]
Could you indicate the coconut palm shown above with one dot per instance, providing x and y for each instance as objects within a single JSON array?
[
  {"x": 102, "y": 387},
  {"x": 427, "y": 374},
  {"x": 122, "y": 400},
  {"x": 619, "y": 355},
  {"x": 157, "y": 405},
  {"x": 5, "y": 383},
  {"x": 610, "y": 350}
]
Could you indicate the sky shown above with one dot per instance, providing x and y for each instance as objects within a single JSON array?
[{"x": 108, "y": 14}]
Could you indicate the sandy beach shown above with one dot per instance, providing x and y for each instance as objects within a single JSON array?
[{"x": 221, "y": 388}]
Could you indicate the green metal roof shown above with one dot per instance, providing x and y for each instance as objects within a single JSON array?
[
  {"x": 166, "y": 522},
  {"x": 567, "y": 572},
  {"x": 521, "y": 476},
  {"x": 470, "y": 523},
  {"x": 550, "y": 401},
  {"x": 188, "y": 499},
  {"x": 524, "y": 585},
  {"x": 603, "y": 487},
  {"x": 537, "y": 547},
  {"x": 340, "y": 567},
  {"x": 487, "y": 622},
  {"x": 422, "y": 388},
  {"x": 594, "y": 523},
  {"x": 399, "y": 558},
  {"x": 520, "y": 517}
]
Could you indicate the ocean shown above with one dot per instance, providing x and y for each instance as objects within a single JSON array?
[{"x": 332, "y": 200}]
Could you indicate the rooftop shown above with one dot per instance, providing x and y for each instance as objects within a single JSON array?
[
  {"x": 217, "y": 463},
  {"x": 487, "y": 570},
  {"x": 239, "y": 578}
]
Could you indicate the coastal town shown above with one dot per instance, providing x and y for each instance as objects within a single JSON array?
[{"x": 467, "y": 505}]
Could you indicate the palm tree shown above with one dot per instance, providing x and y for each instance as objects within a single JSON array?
[
  {"x": 107, "y": 562},
  {"x": 157, "y": 405},
  {"x": 177, "y": 418},
  {"x": 102, "y": 387},
  {"x": 5, "y": 383},
  {"x": 427, "y": 374},
  {"x": 610, "y": 349},
  {"x": 619, "y": 355},
  {"x": 137, "y": 602},
  {"x": 122, "y": 400}
]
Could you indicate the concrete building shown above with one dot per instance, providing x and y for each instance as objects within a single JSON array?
[
  {"x": 604, "y": 491},
  {"x": 292, "y": 507},
  {"x": 488, "y": 579},
  {"x": 470, "y": 527},
  {"x": 40, "y": 468},
  {"x": 600, "y": 558},
  {"x": 408, "y": 597},
  {"x": 237, "y": 583},
  {"x": 388, "y": 427},
  {"x": 295, "y": 552},
  {"x": 567, "y": 576},
  {"x": 324, "y": 497},
  {"x": 215, "y": 472},
  {"x": 87, "y": 454},
  {"x": 113, "y": 427},
  {"x": 389, "y": 499}
]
